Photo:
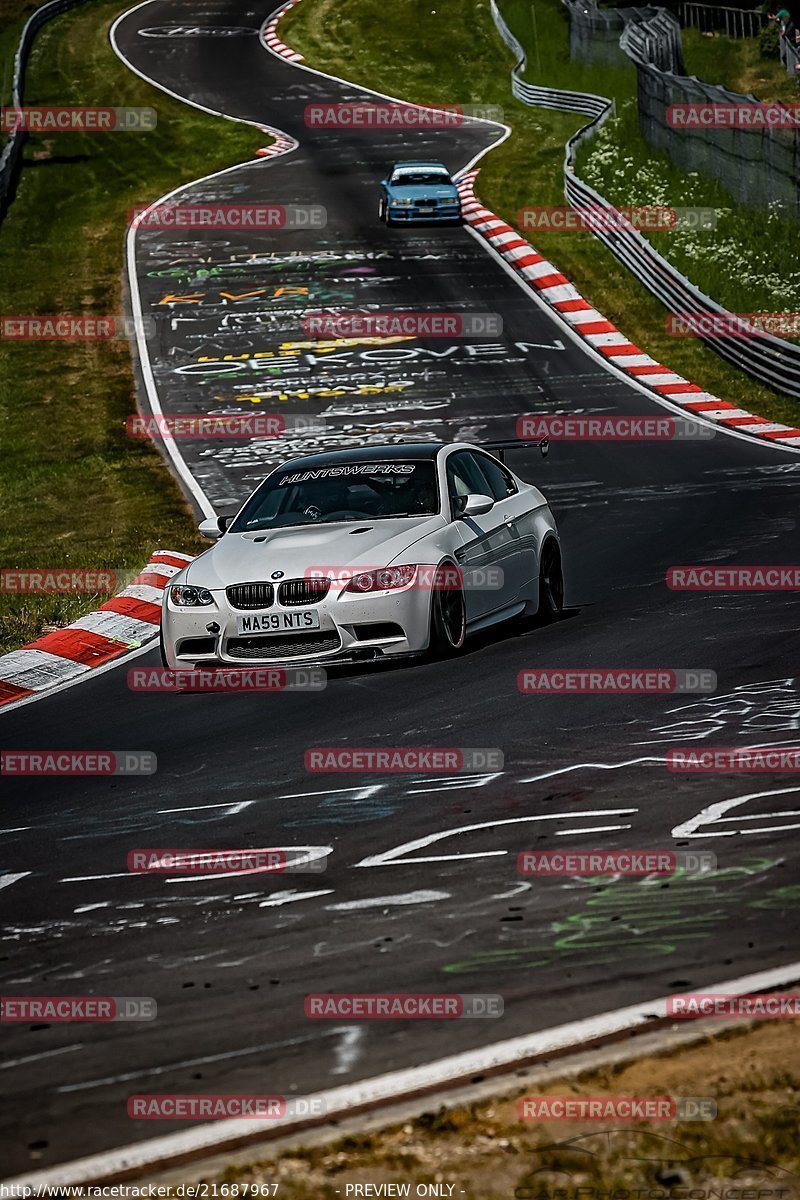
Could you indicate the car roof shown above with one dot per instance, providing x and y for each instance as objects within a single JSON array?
[
  {"x": 419, "y": 162},
  {"x": 391, "y": 451}
]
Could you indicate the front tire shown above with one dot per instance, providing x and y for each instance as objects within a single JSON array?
[
  {"x": 162, "y": 648},
  {"x": 382, "y": 210},
  {"x": 551, "y": 582},
  {"x": 448, "y": 613}
]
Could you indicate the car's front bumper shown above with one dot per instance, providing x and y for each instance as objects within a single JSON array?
[
  {"x": 411, "y": 214},
  {"x": 352, "y": 628}
]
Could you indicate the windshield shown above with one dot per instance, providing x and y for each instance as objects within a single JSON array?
[
  {"x": 434, "y": 177},
  {"x": 345, "y": 492}
]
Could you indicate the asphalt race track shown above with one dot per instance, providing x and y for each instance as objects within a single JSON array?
[{"x": 230, "y": 960}]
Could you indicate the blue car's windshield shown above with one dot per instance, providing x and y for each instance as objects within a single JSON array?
[
  {"x": 351, "y": 491},
  {"x": 437, "y": 178}
]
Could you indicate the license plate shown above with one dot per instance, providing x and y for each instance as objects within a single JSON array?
[
  {"x": 278, "y": 622},
  {"x": 426, "y": 210}
]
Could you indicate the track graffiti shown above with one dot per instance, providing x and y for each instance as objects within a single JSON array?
[{"x": 625, "y": 922}]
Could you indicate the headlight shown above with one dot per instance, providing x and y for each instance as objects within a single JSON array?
[
  {"x": 398, "y": 203},
  {"x": 185, "y": 596},
  {"x": 385, "y": 580}
]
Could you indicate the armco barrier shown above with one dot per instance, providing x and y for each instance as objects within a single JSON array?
[
  {"x": 11, "y": 158},
  {"x": 768, "y": 359}
]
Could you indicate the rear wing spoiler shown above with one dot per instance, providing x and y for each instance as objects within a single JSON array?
[{"x": 501, "y": 448}]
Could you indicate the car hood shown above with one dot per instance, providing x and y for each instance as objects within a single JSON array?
[
  {"x": 239, "y": 558},
  {"x": 423, "y": 191}
]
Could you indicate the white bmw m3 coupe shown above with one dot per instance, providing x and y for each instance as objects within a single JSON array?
[{"x": 368, "y": 553}]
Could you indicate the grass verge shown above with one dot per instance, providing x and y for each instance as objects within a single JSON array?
[
  {"x": 737, "y": 64},
  {"x": 78, "y": 492},
  {"x": 483, "y": 1150},
  {"x": 452, "y": 55}
]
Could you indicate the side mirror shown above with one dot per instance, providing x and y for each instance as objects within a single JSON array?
[
  {"x": 214, "y": 527},
  {"x": 476, "y": 504},
  {"x": 384, "y": 183}
]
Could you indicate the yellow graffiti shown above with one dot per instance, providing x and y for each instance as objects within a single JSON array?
[
  {"x": 315, "y": 393},
  {"x": 198, "y": 297},
  {"x": 293, "y": 349},
  {"x": 193, "y": 298}
]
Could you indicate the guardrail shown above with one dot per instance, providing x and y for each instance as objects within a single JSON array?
[
  {"x": 713, "y": 18},
  {"x": 768, "y": 359},
  {"x": 11, "y": 158}
]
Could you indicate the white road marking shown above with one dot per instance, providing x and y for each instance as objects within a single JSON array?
[
  {"x": 235, "y": 806},
  {"x": 422, "y": 897},
  {"x": 347, "y": 1050},
  {"x": 306, "y": 855},
  {"x": 29, "y": 1058},
  {"x": 589, "y": 829},
  {"x": 7, "y": 880},
  {"x": 593, "y": 766},
  {"x": 516, "y": 890},
  {"x": 712, "y": 816},
  {"x": 359, "y": 793},
  {"x": 393, "y": 857},
  {"x": 336, "y": 1031},
  {"x": 279, "y": 898}
]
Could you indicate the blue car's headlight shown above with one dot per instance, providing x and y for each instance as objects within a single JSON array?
[
  {"x": 185, "y": 596},
  {"x": 397, "y": 203}
]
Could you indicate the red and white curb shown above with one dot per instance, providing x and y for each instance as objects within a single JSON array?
[
  {"x": 124, "y": 623},
  {"x": 282, "y": 145},
  {"x": 599, "y": 333},
  {"x": 270, "y": 38}
]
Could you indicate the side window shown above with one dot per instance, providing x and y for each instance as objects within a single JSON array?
[
  {"x": 464, "y": 478},
  {"x": 501, "y": 481}
]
